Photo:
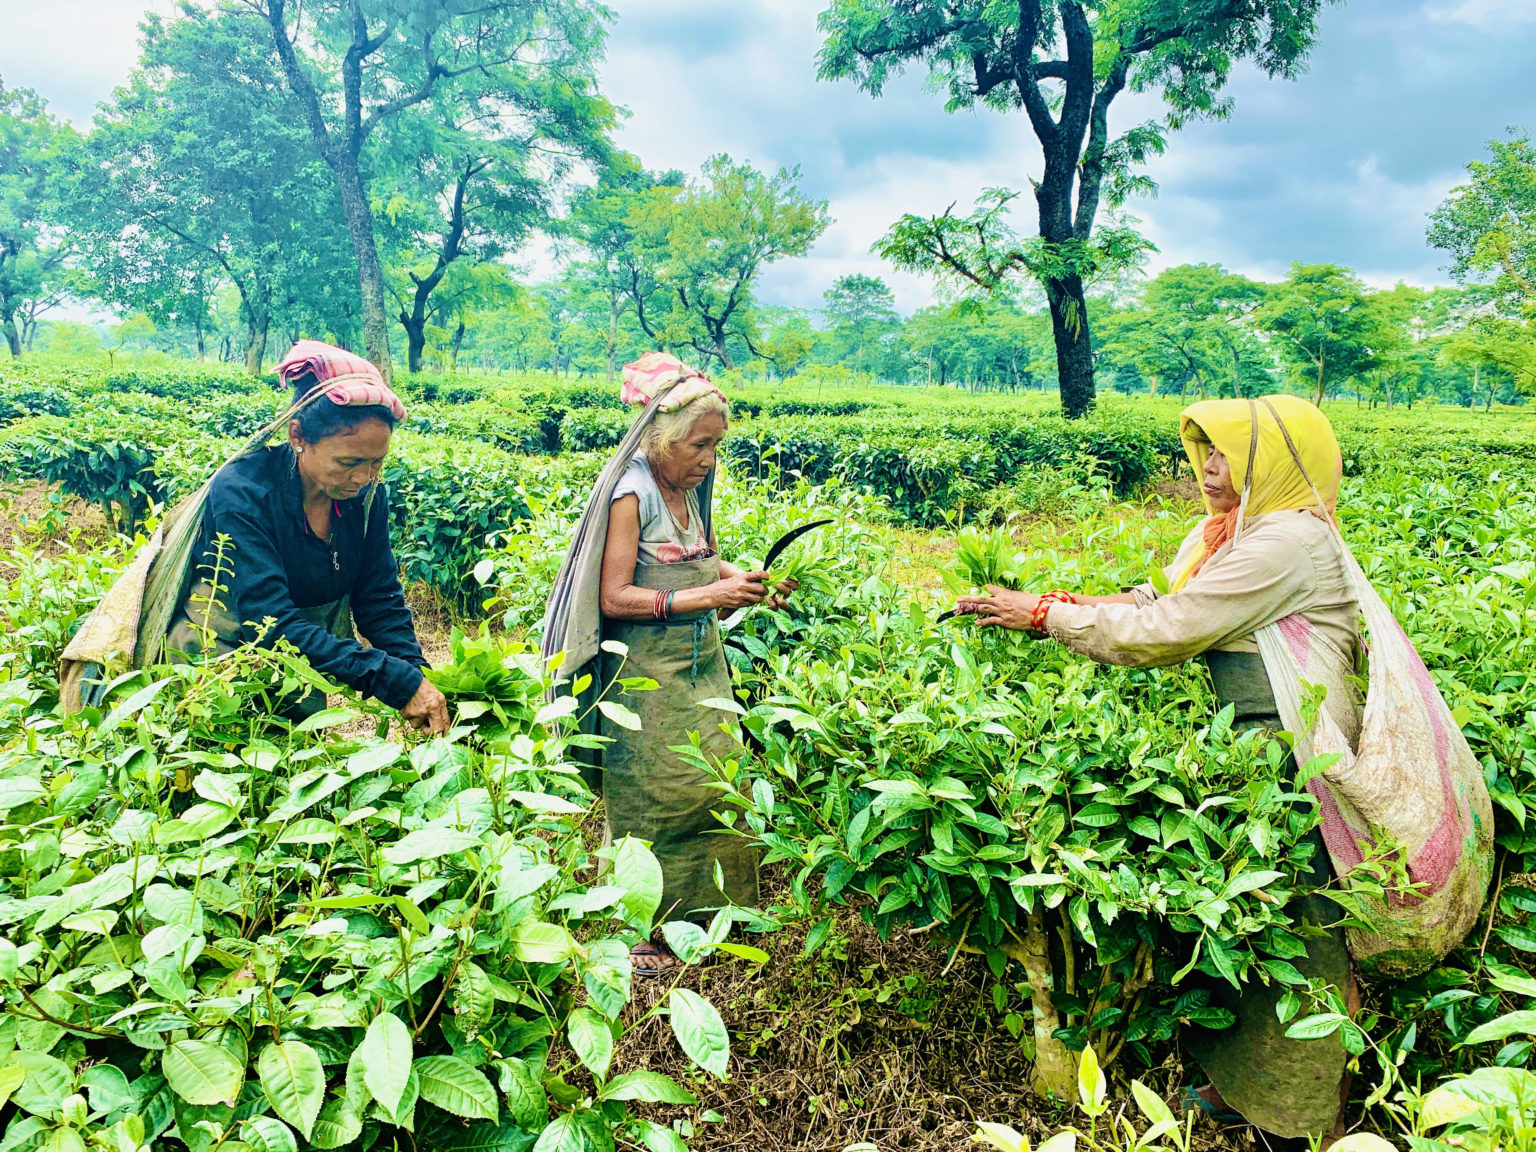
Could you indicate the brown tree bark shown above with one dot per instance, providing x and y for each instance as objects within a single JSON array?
[
  {"x": 342, "y": 151},
  {"x": 415, "y": 321}
]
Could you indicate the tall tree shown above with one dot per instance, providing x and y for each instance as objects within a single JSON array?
[
  {"x": 859, "y": 307},
  {"x": 1488, "y": 225},
  {"x": 601, "y": 223},
  {"x": 702, "y": 249},
  {"x": 1213, "y": 305},
  {"x": 468, "y": 180},
  {"x": 1064, "y": 62},
  {"x": 1326, "y": 326},
  {"x": 357, "y": 65},
  {"x": 33, "y": 151},
  {"x": 199, "y": 174},
  {"x": 1167, "y": 348},
  {"x": 786, "y": 339}
]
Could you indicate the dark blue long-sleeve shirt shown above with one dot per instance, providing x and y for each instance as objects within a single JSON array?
[{"x": 278, "y": 566}]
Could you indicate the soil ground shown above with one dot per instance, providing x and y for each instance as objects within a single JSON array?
[
  {"x": 872, "y": 1045},
  {"x": 42, "y": 516}
]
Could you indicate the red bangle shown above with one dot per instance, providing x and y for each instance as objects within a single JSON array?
[
  {"x": 1043, "y": 607},
  {"x": 658, "y": 605}
]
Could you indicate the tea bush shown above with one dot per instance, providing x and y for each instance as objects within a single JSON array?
[
  {"x": 1098, "y": 837},
  {"x": 16, "y": 403},
  {"x": 445, "y": 503},
  {"x": 239, "y": 935},
  {"x": 115, "y": 471},
  {"x": 1020, "y": 800},
  {"x": 593, "y": 429},
  {"x": 933, "y": 468}
]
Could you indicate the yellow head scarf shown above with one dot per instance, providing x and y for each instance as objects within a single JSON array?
[{"x": 1277, "y": 484}]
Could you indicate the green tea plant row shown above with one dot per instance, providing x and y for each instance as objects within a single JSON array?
[
  {"x": 929, "y": 464},
  {"x": 1098, "y": 836},
  {"x": 1098, "y": 833},
  {"x": 447, "y": 497},
  {"x": 220, "y": 932}
]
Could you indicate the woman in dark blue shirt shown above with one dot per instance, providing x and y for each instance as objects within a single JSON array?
[{"x": 299, "y": 533}]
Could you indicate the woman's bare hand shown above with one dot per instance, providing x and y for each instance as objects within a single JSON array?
[
  {"x": 427, "y": 709},
  {"x": 741, "y": 591},
  {"x": 1000, "y": 608},
  {"x": 782, "y": 592}
]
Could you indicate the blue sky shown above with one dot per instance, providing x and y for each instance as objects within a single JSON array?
[{"x": 1342, "y": 164}]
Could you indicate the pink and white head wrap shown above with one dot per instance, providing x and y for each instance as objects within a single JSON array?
[
  {"x": 654, "y": 371},
  {"x": 351, "y": 379}
]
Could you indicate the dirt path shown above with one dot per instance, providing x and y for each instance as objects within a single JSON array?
[{"x": 871, "y": 1044}]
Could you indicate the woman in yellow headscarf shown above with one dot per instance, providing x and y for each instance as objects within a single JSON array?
[{"x": 1266, "y": 552}]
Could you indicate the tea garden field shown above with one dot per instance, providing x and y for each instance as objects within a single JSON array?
[{"x": 987, "y": 858}]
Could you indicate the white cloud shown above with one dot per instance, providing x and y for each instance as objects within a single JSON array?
[
  {"x": 1340, "y": 165},
  {"x": 74, "y": 52},
  {"x": 1487, "y": 14}
]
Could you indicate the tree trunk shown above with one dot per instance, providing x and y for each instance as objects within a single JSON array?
[
  {"x": 724, "y": 353},
  {"x": 613, "y": 335},
  {"x": 1074, "y": 349},
  {"x": 256, "y": 343},
  {"x": 1322, "y": 360},
  {"x": 415, "y": 326},
  {"x": 1055, "y": 1072},
  {"x": 458, "y": 343},
  {"x": 365, "y": 249},
  {"x": 341, "y": 156},
  {"x": 12, "y": 337}
]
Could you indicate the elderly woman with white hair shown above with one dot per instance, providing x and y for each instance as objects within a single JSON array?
[{"x": 644, "y": 570}]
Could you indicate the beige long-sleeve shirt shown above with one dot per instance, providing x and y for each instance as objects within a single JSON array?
[{"x": 1284, "y": 563}]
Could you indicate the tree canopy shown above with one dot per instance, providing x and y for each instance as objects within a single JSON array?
[
  {"x": 33, "y": 146},
  {"x": 1064, "y": 64}
]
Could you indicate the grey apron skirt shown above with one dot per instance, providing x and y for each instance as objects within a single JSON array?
[
  {"x": 1286, "y": 1087},
  {"x": 652, "y": 793}
]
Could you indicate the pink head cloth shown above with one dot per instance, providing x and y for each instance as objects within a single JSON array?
[
  {"x": 654, "y": 371},
  {"x": 351, "y": 379}
]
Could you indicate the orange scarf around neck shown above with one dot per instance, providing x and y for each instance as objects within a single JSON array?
[{"x": 1218, "y": 532}]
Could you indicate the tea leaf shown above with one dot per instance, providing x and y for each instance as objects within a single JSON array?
[
  {"x": 526, "y": 1101},
  {"x": 294, "y": 1083},
  {"x": 202, "y": 1072},
  {"x": 658, "y": 1138},
  {"x": 699, "y": 1029},
  {"x": 591, "y": 1039},
  {"x": 456, "y": 1087},
  {"x": 266, "y": 1134},
  {"x": 1315, "y": 1027},
  {"x": 385, "y": 1056},
  {"x": 429, "y": 844},
  {"x": 1510, "y": 1024},
  {"x": 636, "y": 870},
  {"x": 651, "y": 1087}
]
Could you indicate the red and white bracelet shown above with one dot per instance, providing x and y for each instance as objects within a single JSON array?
[{"x": 1043, "y": 607}]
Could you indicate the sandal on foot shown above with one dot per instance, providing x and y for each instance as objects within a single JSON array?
[
  {"x": 662, "y": 960},
  {"x": 1193, "y": 1102}
]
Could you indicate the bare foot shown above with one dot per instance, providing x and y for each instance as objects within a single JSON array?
[{"x": 649, "y": 959}]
